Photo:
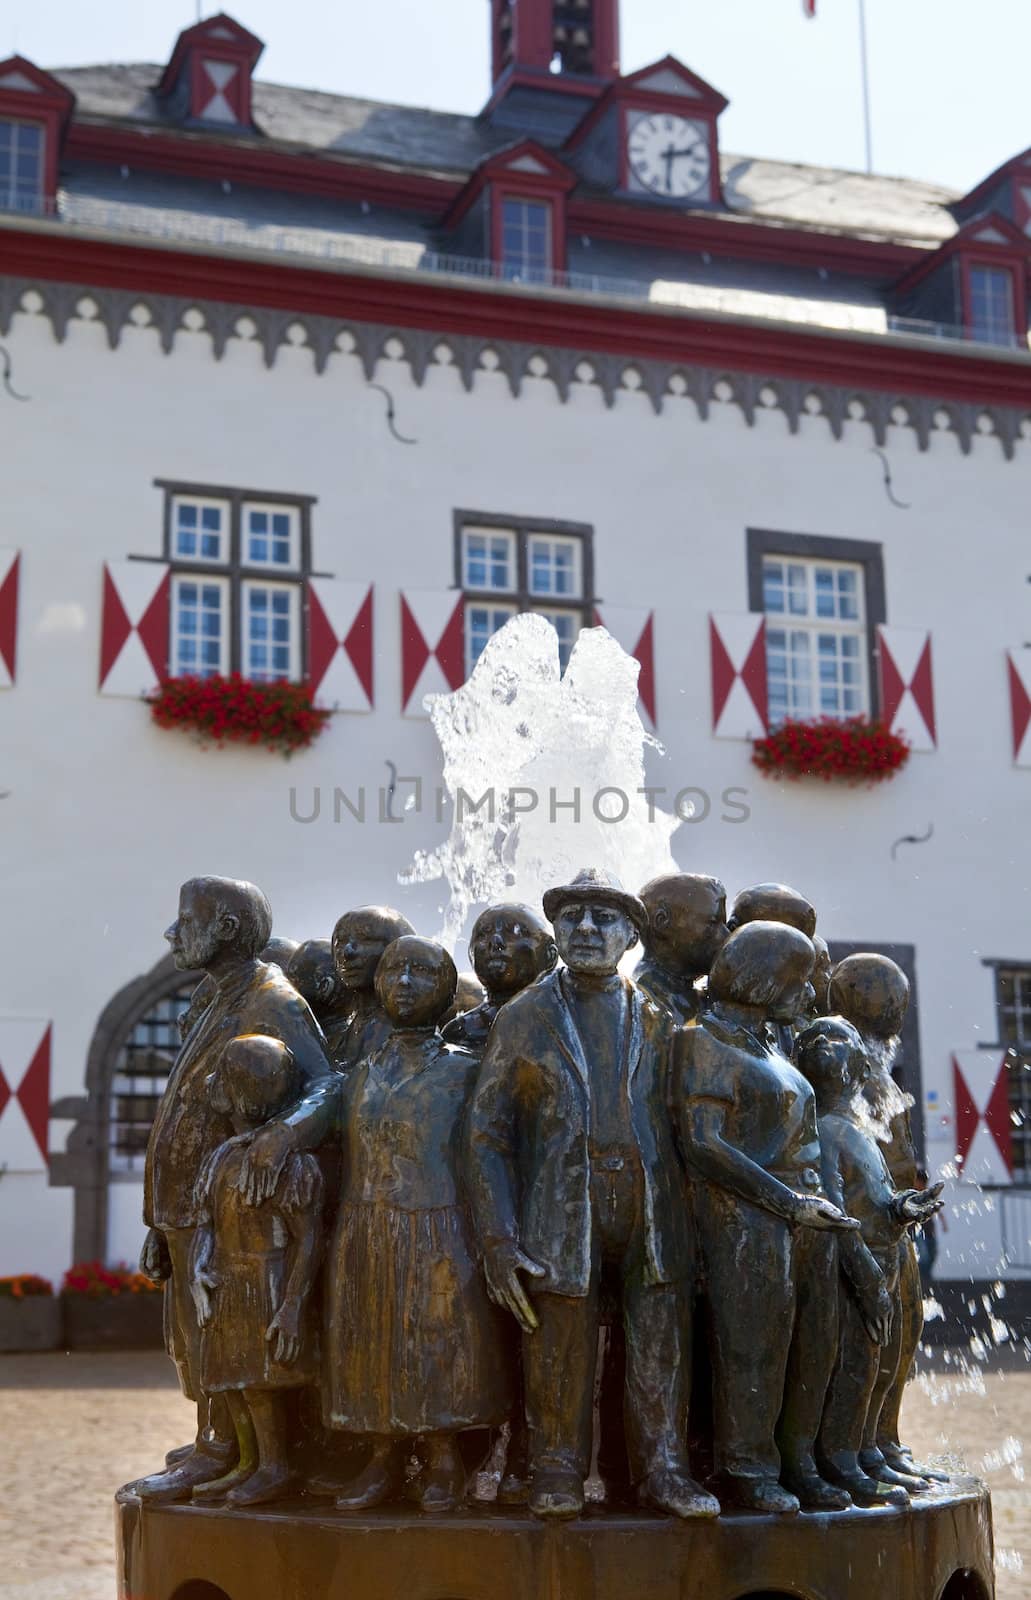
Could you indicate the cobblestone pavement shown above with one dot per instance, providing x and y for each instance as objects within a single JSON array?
[{"x": 73, "y": 1427}]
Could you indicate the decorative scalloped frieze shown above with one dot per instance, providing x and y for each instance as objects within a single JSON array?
[{"x": 116, "y": 310}]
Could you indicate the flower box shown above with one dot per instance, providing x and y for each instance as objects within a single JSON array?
[
  {"x": 220, "y": 710},
  {"x": 114, "y": 1322},
  {"x": 111, "y": 1308},
  {"x": 853, "y": 750},
  {"x": 30, "y": 1315}
]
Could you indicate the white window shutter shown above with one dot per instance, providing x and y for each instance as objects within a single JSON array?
[
  {"x": 981, "y": 1105},
  {"x": 432, "y": 645},
  {"x": 737, "y": 654},
  {"x": 24, "y": 1094},
  {"x": 10, "y": 577},
  {"x": 634, "y": 629},
  {"x": 340, "y": 644},
  {"x": 1018, "y": 663},
  {"x": 907, "y": 684},
  {"x": 134, "y": 627}
]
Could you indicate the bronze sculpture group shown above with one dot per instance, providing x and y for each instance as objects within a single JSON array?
[{"x": 409, "y": 1221}]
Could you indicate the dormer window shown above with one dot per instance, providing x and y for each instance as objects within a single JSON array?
[
  {"x": 990, "y": 290},
  {"x": 21, "y": 165},
  {"x": 34, "y": 112},
  {"x": 513, "y": 212},
  {"x": 208, "y": 78},
  {"x": 974, "y": 286}
]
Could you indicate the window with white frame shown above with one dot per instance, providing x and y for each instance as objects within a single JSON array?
[
  {"x": 526, "y": 255},
  {"x": 1013, "y": 1004},
  {"x": 509, "y": 566},
  {"x": 816, "y": 638},
  {"x": 238, "y": 567},
  {"x": 21, "y": 165},
  {"x": 991, "y": 305}
]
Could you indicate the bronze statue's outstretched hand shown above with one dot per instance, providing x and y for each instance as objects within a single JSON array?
[
  {"x": 813, "y": 1212},
  {"x": 263, "y": 1164},
  {"x": 285, "y": 1330},
  {"x": 502, "y": 1265},
  {"x": 155, "y": 1261}
]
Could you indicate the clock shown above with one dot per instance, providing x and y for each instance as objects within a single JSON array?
[{"x": 668, "y": 156}]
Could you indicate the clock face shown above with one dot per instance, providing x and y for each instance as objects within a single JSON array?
[{"x": 668, "y": 155}]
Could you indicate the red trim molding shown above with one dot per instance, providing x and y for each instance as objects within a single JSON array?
[
  {"x": 556, "y": 321},
  {"x": 198, "y": 155}
]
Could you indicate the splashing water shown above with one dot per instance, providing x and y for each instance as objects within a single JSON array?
[{"x": 545, "y": 773}]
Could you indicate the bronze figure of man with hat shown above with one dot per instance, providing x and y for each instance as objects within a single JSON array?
[{"x": 573, "y": 1177}]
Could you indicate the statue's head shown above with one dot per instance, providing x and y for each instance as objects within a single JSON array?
[
  {"x": 511, "y": 946},
  {"x": 218, "y": 915},
  {"x": 359, "y": 940},
  {"x": 774, "y": 902},
  {"x": 595, "y": 921},
  {"x": 831, "y": 1054},
  {"x": 254, "y": 1080},
  {"x": 872, "y": 991},
  {"x": 415, "y": 982},
  {"x": 281, "y": 951},
  {"x": 687, "y": 921},
  {"x": 312, "y": 971},
  {"x": 766, "y": 965}
]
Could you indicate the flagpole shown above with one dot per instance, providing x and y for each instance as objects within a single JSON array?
[{"x": 864, "y": 58}]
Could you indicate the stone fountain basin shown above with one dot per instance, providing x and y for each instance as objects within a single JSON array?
[{"x": 938, "y": 1549}]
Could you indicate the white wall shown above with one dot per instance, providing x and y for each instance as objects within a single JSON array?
[{"x": 107, "y": 815}]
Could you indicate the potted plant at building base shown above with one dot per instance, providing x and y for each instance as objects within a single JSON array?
[
  {"x": 851, "y": 750},
  {"x": 30, "y": 1314},
  {"x": 110, "y": 1308}
]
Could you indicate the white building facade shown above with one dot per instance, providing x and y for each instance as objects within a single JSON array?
[{"x": 298, "y": 386}]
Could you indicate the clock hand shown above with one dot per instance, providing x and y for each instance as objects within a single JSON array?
[{"x": 667, "y": 156}]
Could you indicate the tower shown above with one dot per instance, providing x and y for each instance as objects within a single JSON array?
[{"x": 565, "y": 50}]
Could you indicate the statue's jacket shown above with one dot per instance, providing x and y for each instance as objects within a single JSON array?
[
  {"x": 255, "y": 999},
  {"x": 528, "y": 1134}
]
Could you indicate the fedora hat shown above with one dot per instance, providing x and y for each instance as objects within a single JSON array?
[{"x": 600, "y": 887}]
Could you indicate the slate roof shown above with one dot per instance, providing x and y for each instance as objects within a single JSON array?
[{"x": 447, "y": 144}]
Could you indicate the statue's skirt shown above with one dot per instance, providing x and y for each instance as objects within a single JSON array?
[{"x": 940, "y": 1549}]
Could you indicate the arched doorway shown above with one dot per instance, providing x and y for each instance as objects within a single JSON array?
[{"x": 133, "y": 1046}]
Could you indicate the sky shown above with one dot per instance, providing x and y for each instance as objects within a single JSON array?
[{"x": 949, "y": 78}]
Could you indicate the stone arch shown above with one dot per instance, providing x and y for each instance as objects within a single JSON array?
[{"x": 85, "y": 1165}]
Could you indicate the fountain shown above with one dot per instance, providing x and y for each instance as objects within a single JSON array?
[{"x": 489, "y": 1193}]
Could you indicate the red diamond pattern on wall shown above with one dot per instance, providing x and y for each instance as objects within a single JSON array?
[
  {"x": 134, "y": 627},
  {"x": 981, "y": 1097},
  {"x": 432, "y": 645},
  {"x": 1018, "y": 664},
  {"x": 10, "y": 570},
  {"x": 634, "y": 628},
  {"x": 907, "y": 684},
  {"x": 24, "y": 1093},
  {"x": 340, "y": 644},
  {"x": 737, "y": 655}
]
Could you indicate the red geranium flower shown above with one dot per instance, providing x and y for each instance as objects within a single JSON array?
[
  {"x": 854, "y": 749},
  {"x": 232, "y": 709}
]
